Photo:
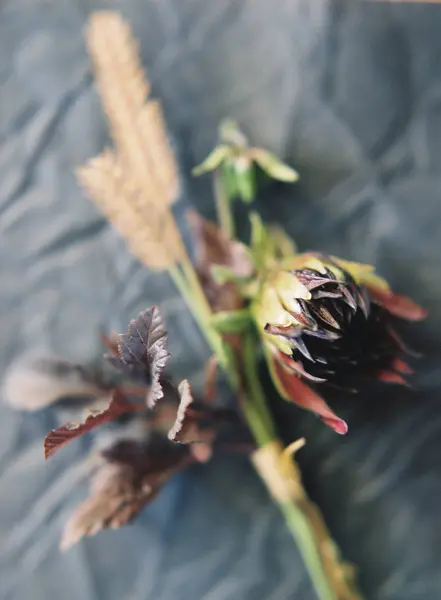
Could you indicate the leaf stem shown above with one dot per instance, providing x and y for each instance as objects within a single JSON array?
[{"x": 223, "y": 205}]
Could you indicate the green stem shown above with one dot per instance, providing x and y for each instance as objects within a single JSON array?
[
  {"x": 306, "y": 526},
  {"x": 191, "y": 291},
  {"x": 254, "y": 406},
  {"x": 223, "y": 205},
  {"x": 303, "y": 533},
  {"x": 302, "y": 518}
]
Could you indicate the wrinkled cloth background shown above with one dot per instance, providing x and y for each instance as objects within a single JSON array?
[{"x": 349, "y": 93}]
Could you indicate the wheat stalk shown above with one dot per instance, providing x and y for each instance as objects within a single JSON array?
[
  {"x": 150, "y": 233},
  {"x": 135, "y": 184}
]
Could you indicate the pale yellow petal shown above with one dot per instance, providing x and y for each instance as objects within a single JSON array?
[
  {"x": 374, "y": 280},
  {"x": 314, "y": 263},
  {"x": 290, "y": 287},
  {"x": 270, "y": 310},
  {"x": 355, "y": 269},
  {"x": 362, "y": 273},
  {"x": 279, "y": 342}
]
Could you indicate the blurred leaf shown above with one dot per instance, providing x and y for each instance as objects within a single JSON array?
[
  {"x": 212, "y": 247},
  {"x": 222, "y": 274},
  {"x": 231, "y": 134},
  {"x": 130, "y": 478},
  {"x": 284, "y": 245},
  {"x": 213, "y": 160},
  {"x": 234, "y": 321},
  {"x": 269, "y": 244},
  {"x": 197, "y": 423},
  {"x": 262, "y": 247},
  {"x": 210, "y": 372},
  {"x": 245, "y": 183},
  {"x": 37, "y": 382},
  {"x": 228, "y": 178},
  {"x": 273, "y": 166},
  {"x": 115, "y": 500},
  {"x": 117, "y": 406},
  {"x": 186, "y": 428}
]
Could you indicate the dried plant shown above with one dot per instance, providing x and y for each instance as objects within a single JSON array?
[
  {"x": 317, "y": 319},
  {"x": 137, "y": 182},
  {"x": 37, "y": 382},
  {"x": 137, "y": 125}
]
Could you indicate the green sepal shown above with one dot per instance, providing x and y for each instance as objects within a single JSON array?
[
  {"x": 284, "y": 245},
  {"x": 234, "y": 321},
  {"x": 269, "y": 244},
  {"x": 245, "y": 182},
  {"x": 213, "y": 160},
  {"x": 262, "y": 247},
  {"x": 274, "y": 167},
  {"x": 228, "y": 179},
  {"x": 231, "y": 134},
  {"x": 222, "y": 274},
  {"x": 270, "y": 360}
]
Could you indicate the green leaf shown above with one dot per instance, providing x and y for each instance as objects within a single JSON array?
[
  {"x": 284, "y": 246},
  {"x": 238, "y": 178},
  {"x": 269, "y": 244},
  {"x": 248, "y": 288},
  {"x": 235, "y": 321},
  {"x": 259, "y": 235},
  {"x": 231, "y": 134},
  {"x": 213, "y": 160},
  {"x": 273, "y": 166},
  {"x": 222, "y": 274},
  {"x": 228, "y": 178},
  {"x": 262, "y": 247},
  {"x": 245, "y": 180}
]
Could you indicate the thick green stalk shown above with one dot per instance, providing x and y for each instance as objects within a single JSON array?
[
  {"x": 188, "y": 285},
  {"x": 303, "y": 529},
  {"x": 261, "y": 423},
  {"x": 302, "y": 532},
  {"x": 191, "y": 291},
  {"x": 254, "y": 406},
  {"x": 303, "y": 520}
]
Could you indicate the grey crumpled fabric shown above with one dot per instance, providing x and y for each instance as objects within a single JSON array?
[{"x": 349, "y": 93}]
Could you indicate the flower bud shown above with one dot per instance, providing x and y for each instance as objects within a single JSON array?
[{"x": 327, "y": 320}]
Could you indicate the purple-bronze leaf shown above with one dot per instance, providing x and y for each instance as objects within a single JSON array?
[
  {"x": 186, "y": 428},
  {"x": 115, "y": 500},
  {"x": 116, "y": 406},
  {"x": 35, "y": 383},
  {"x": 213, "y": 248},
  {"x": 197, "y": 424},
  {"x": 150, "y": 456},
  {"x": 142, "y": 352},
  {"x": 131, "y": 477}
]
